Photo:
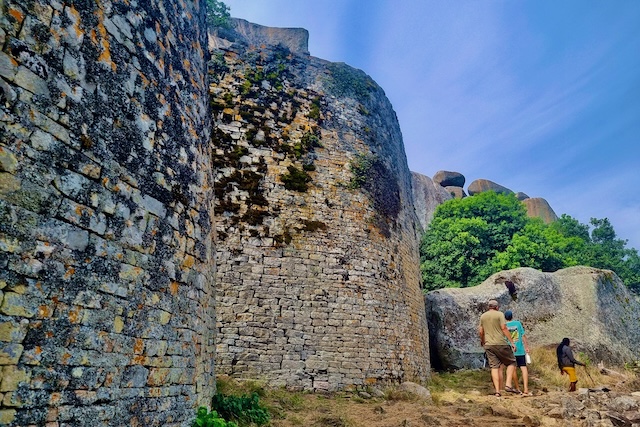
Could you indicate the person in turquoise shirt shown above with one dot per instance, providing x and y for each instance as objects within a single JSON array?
[{"x": 518, "y": 335}]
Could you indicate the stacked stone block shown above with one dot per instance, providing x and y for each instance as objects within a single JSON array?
[
  {"x": 106, "y": 265},
  {"x": 318, "y": 279}
]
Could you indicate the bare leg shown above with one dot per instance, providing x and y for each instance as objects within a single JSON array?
[
  {"x": 509, "y": 378},
  {"x": 525, "y": 378},
  {"x": 515, "y": 379},
  {"x": 496, "y": 373}
]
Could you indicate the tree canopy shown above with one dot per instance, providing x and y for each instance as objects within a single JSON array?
[
  {"x": 471, "y": 238},
  {"x": 218, "y": 14}
]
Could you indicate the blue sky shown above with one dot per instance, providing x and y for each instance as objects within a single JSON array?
[{"x": 540, "y": 96}]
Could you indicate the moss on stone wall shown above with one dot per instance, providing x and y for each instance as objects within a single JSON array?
[
  {"x": 256, "y": 97},
  {"x": 346, "y": 81}
]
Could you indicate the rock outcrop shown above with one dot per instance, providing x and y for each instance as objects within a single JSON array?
[
  {"x": 456, "y": 192},
  {"x": 106, "y": 259},
  {"x": 537, "y": 207},
  {"x": 427, "y": 199},
  {"x": 253, "y": 35},
  {"x": 318, "y": 266},
  {"x": 592, "y": 307},
  {"x": 449, "y": 179},
  {"x": 427, "y": 196},
  {"x": 480, "y": 185}
]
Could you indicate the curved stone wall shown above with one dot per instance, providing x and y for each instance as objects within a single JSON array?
[
  {"x": 318, "y": 269},
  {"x": 106, "y": 265}
]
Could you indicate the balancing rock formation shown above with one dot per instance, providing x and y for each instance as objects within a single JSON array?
[
  {"x": 106, "y": 257},
  {"x": 429, "y": 194},
  {"x": 480, "y": 185},
  {"x": 537, "y": 207},
  {"x": 591, "y": 306},
  {"x": 318, "y": 266}
]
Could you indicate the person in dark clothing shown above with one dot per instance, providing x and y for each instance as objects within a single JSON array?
[{"x": 567, "y": 363}]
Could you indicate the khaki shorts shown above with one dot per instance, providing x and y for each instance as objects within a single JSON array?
[{"x": 499, "y": 355}]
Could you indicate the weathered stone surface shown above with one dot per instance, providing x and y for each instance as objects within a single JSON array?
[
  {"x": 449, "y": 179},
  {"x": 480, "y": 185},
  {"x": 416, "y": 389},
  {"x": 521, "y": 196},
  {"x": 592, "y": 307},
  {"x": 456, "y": 192},
  {"x": 317, "y": 235},
  {"x": 427, "y": 196},
  {"x": 294, "y": 39},
  {"x": 105, "y": 182},
  {"x": 537, "y": 207}
]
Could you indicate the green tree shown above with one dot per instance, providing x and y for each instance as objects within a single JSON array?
[
  {"x": 218, "y": 14},
  {"x": 449, "y": 252},
  {"x": 470, "y": 239},
  {"x": 539, "y": 246},
  {"x": 465, "y": 235},
  {"x": 571, "y": 227},
  {"x": 607, "y": 251}
]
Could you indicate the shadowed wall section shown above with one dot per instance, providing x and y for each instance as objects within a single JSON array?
[{"x": 106, "y": 265}]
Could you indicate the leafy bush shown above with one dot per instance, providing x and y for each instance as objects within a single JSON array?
[
  {"x": 205, "y": 418},
  {"x": 246, "y": 410},
  {"x": 469, "y": 239},
  {"x": 218, "y": 14}
]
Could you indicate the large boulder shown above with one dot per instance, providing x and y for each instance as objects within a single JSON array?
[
  {"x": 456, "y": 192},
  {"x": 592, "y": 307},
  {"x": 537, "y": 207},
  {"x": 427, "y": 196},
  {"x": 449, "y": 179},
  {"x": 480, "y": 185}
]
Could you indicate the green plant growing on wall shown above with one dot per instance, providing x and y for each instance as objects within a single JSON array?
[
  {"x": 296, "y": 179},
  {"x": 371, "y": 174},
  {"x": 360, "y": 167},
  {"x": 307, "y": 143},
  {"x": 314, "y": 110},
  {"x": 218, "y": 14},
  {"x": 347, "y": 81}
]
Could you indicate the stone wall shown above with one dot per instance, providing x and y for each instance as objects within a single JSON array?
[
  {"x": 106, "y": 263},
  {"x": 318, "y": 269}
]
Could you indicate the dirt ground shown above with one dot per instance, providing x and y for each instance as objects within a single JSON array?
[
  {"x": 463, "y": 398},
  {"x": 469, "y": 404},
  {"x": 473, "y": 409}
]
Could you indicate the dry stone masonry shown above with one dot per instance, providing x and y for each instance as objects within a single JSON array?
[
  {"x": 106, "y": 259},
  {"x": 318, "y": 281},
  {"x": 109, "y": 166}
]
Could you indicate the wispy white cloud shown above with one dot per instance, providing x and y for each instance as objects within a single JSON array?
[{"x": 542, "y": 97}]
